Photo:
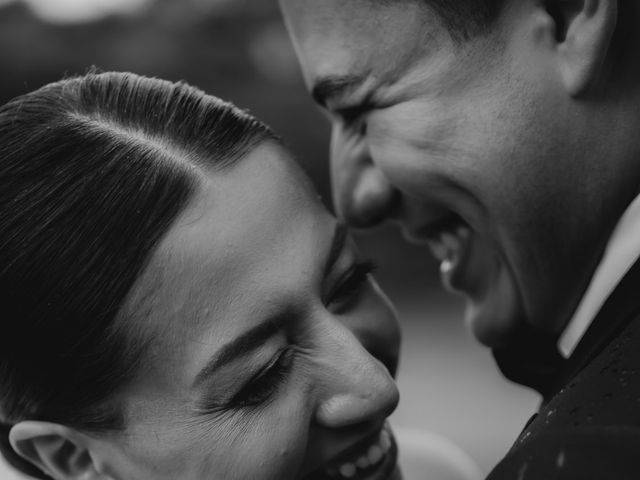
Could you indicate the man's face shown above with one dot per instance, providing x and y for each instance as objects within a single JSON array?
[{"x": 476, "y": 149}]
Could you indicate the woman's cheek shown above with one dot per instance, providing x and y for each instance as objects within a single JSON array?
[{"x": 276, "y": 436}]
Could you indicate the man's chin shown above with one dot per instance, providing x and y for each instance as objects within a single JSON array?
[
  {"x": 492, "y": 327},
  {"x": 494, "y": 312}
]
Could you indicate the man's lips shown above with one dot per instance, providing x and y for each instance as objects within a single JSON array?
[
  {"x": 449, "y": 240},
  {"x": 372, "y": 458}
]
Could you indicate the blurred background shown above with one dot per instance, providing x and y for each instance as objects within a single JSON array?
[{"x": 239, "y": 50}]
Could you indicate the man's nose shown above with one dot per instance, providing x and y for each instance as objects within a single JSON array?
[
  {"x": 362, "y": 195},
  {"x": 357, "y": 388}
]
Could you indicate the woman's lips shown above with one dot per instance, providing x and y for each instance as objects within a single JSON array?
[
  {"x": 373, "y": 459},
  {"x": 364, "y": 461}
]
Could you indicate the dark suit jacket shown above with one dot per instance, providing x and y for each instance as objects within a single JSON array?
[{"x": 588, "y": 426}]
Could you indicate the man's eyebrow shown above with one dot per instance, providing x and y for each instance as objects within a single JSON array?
[
  {"x": 337, "y": 245},
  {"x": 249, "y": 341},
  {"x": 326, "y": 88}
]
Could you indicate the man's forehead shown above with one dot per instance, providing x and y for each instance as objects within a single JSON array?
[
  {"x": 312, "y": 17},
  {"x": 342, "y": 8},
  {"x": 356, "y": 37}
]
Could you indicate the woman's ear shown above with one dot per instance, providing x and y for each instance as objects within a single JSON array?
[
  {"x": 59, "y": 451},
  {"x": 584, "y": 29}
]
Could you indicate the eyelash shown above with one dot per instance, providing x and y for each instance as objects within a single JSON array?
[
  {"x": 265, "y": 383},
  {"x": 351, "y": 283}
]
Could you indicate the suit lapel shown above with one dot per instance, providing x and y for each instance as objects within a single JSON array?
[
  {"x": 615, "y": 314},
  {"x": 533, "y": 359}
]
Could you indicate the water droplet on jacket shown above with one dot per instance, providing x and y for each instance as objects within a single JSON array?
[{"x": 522, "y": 471}]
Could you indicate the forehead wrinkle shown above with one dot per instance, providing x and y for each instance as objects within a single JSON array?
[{"x": 400, "y": 35}]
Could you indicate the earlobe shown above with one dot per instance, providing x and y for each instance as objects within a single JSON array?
[
  {"x": 584, "y": 29},
  {"x": 58, "y": 451}
]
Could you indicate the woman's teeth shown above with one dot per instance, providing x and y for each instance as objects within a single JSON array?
[{"x": 372, "y": 457}]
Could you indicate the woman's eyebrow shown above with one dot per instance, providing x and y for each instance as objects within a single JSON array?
[{"x": 249, "y": 341}]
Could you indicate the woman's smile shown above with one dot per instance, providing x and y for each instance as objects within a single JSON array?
[{"x": 372, "y": 458}]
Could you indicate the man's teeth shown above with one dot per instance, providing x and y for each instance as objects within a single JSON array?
[
  {"x": 446, "y": 265},
  {"x": 446, "y": 247},
  {"x": 373, "y": 456}
]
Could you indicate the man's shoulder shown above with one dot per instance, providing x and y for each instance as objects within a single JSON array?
[
  {"x": 597, "y": 452},
  {"x": 591, "y": 427}
]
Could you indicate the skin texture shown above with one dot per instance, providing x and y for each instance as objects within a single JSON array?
[
  {"x": 251, "y": 247},
  {"x": 496, "y": 131}
]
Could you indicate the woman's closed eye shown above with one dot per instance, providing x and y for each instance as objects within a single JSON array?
[
  {"x": 264, "y": 384},
  {"x": 269, "y": 379},
  {"x": 349, "y": 285}
]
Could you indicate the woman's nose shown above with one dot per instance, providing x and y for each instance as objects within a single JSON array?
[
  {"x": 357, "y": 388},
  {"x": 362, "y": 194}
]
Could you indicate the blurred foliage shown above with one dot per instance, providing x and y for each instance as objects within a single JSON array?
[
  {"x": 239, "y": 52},
  {"x": 235, "y": 49}
]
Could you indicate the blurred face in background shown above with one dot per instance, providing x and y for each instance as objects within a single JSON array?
[
  {"x": 474, "y": 148},
  {"x": 271, "y": 349}
]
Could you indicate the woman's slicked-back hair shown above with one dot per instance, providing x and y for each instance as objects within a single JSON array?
[{"x": 93, "y": 171}]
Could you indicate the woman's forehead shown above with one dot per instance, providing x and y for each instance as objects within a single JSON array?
[{"x": 250, "y": 238}]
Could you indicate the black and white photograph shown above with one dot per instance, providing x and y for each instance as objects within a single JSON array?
[{"x": 319, "y": 240}]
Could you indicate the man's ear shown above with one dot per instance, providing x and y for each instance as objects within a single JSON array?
[
  {"x": 583, "y": 31},
  {"x": 59, "y": 451}
]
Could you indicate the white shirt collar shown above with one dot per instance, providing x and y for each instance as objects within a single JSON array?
[{"x": 621, "y": 252}]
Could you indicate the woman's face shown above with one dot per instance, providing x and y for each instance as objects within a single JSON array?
[{"x": 271, "y": 349}]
